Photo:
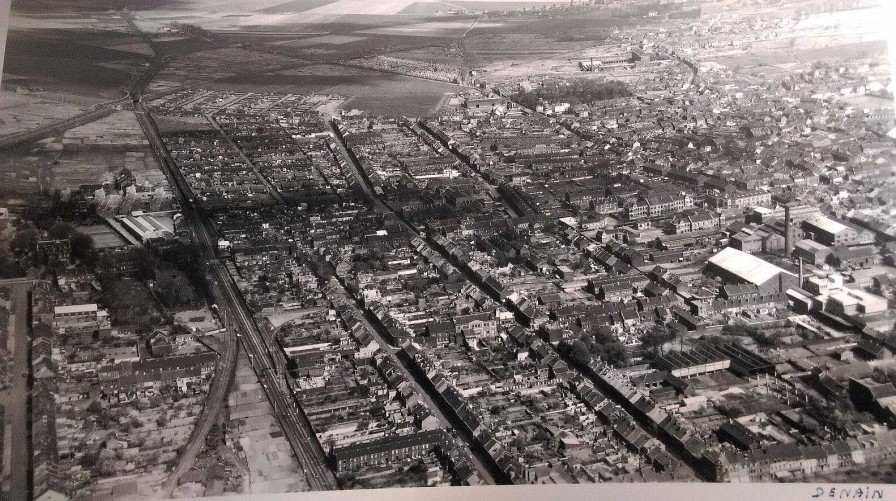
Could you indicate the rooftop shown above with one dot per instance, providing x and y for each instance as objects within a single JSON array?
[
  {"x": 75, "y": 308},
  {"x": 826, "y": 224},
  {"x": 746, "y": 266}
]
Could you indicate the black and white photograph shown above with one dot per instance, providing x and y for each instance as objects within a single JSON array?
[{"x": 447, "y": 250}]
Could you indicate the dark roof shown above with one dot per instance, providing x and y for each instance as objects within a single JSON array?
[{"x": 390, "y": 443}]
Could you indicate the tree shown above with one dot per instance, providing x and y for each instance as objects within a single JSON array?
[
  {"x": 83, "y": 248},
  {"x": 603, "y": 334},
  {"x": 174, "y": 288},
  {"x": 576, "y": 351},
  {"x": 9, "y": 266},
  {"x": 606, "y": 346},
  {"x": 654, "y": 339},
  {"x": 60, "y": 230},
  {"x": 88, "y": 460},
  {"x": 573, "y": 91},
  {"x": 615, "y": 354},
  {"x": 25, "y": 239}
]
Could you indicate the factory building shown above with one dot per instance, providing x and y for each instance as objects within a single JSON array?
[{"x": 737, "y": 267}]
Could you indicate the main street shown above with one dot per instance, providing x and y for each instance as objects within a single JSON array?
[
  {"x": 480, "y": 461},
  {"x": 15, "y": 397},
  {"x": 270, "y": 187},
  {"x": 444, "y": 420},
  {"x": 267, "y": 363},
  {"x": 464, "y": 270}
]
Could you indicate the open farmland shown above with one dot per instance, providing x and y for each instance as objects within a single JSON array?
[
  {"x": 398, "y": 100},
  {"x": 218, "y": 64},
  {"x": 20, "y": 112},
  {"x": 770, "y": 56},
  {"x": 62, "y": 62},
  {"x": 500, "y": 56},
  {"x": 323, "y": 40}
]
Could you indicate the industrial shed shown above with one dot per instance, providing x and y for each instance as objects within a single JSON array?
[{"x": 737, "y": 267}]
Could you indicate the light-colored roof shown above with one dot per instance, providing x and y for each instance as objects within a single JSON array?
[
  {"x": 746, "y": 266},
  {"x": 811, "y": 245},
  {"x": 857, "y": 296},
  {"x": 827, "y": 224},
  {"x": 75, "y": 308}
]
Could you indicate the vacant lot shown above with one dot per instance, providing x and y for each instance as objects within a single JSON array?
[
  {"x": 799, "y": 52},
  {"x": 260, "y": 442},
  {"x": 103, "y": 236},
  {"x": 20, "y": 112},
  {"x": 119, "y": 130},
  {"x": 372, "y": 91}
]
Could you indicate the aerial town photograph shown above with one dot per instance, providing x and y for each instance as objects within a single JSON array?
[{"x": 251, "y": 247}]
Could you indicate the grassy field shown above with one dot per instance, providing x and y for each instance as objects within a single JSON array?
[
  {"x": 776, "y": 59},
  {"x": 20, "y": 112},
  {"x": 369, "y": 90}
]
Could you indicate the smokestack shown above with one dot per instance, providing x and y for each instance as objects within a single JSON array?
[
  {"x": 788, "y": 240},
  {"x": 801, "y": 273}
]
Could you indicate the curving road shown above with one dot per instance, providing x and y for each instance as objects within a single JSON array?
[
  {"x": 268, "y": 363},
  {"x": 214, "y": 402}
]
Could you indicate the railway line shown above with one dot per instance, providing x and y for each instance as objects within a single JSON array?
[{"x": 269, "y": 364}]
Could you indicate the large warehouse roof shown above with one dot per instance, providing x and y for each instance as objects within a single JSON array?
[
  {"x": 827, "y": 224},
  {"x": 746, "y": 266}
]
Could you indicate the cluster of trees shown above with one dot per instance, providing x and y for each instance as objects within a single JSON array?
[
  {"x": 264, "y": 285},
  {"x": 602, "y": 344},
  {"x": 173, "y": 288},
  {"x": 836, "y": 412},
  {"x": 762, "y": 337},
  {"x": 129, "y": 302},
  {"x": 579, "y": 91},
  {"x": 186, "y": 257},
  {"x": 654, "y": 339},
  {"x": 20, "y": 251},
  {"x": 371, "y": 260},
  {"x": 81, "y": 244}
]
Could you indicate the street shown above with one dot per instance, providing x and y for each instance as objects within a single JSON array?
[
  {"x": 265, "y": 362},
  {"x": 15, "y": 399},
  {"x": 483, "y": 471}
]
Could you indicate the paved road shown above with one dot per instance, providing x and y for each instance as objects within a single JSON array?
[
  {"x": 214, "y": 403},
  {"x": 58, "y": 127},
  {"x": 271, "y": 189},
  {"x": 351, "y": 302},
  {"x": 15, "y": 398},
  {"x": 483, "y": 470},
  {"x": 268, "y": 363},
  {"x": 464, "y": 271}
]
